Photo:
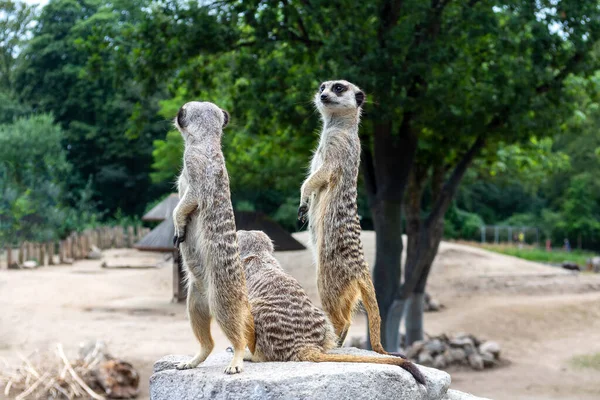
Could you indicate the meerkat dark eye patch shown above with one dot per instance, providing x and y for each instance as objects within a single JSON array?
[
  {"x": 360, "y": 98},
  {"x": 322, "y": 88},
  {"x": 181, "y": 117},
  {"x": 339, "y": 89},
  {"x": 226, "y": 118}
]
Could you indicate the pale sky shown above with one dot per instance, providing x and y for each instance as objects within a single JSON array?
[{"x": 40, "y": 2}]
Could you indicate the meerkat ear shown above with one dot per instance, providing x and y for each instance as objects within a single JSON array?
[
  {"x": 226, "y": 120},
  {"x": 360, "y": 98},
  {"x": 181, "y": 117}
]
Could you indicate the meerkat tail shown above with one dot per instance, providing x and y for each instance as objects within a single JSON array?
[
  {"x": 315, "y": 355},
  {"x": 367, "y": 293}
]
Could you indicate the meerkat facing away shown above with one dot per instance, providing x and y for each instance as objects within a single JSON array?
[
  {"x": 205, "y": 232},
  {"x": 288, "y": 326},
  {"x": 328, "y": 198}
]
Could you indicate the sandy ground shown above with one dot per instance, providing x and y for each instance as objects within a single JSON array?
[{"x": 542, "y": 316}]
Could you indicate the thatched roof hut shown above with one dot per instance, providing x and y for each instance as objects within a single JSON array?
[
  {"x": 254, "y": 220},
  {"x": 162, "y": 210},
  {"x": 159, "y": 239}
]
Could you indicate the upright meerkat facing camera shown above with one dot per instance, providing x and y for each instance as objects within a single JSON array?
[
  {"x": 288, "y": 326},
  {"x": 328, "y": 198},
  {"x": 205, "y": 233}
]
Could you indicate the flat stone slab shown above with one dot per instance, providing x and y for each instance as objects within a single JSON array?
[{"x": 294, "y": 380}]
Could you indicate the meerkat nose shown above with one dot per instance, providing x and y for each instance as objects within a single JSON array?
[{"x": 323, "y": 97}]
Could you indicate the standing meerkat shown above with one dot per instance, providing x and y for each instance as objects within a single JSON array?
[
  {"x": 288, "y": 326},
  {"x": 328, "y": 198},
  {"x": 205, "y": 232}
]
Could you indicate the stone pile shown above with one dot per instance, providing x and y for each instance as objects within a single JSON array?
[
  {"x": 458, "y": 350},
  {"x": 432, "y": 304}
]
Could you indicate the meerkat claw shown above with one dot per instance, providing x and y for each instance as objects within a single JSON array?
[
  {"x": 302, "y": 211},
  {"x": 177, "y": 240},
  {"x": 184, "y": 365},
  {"x": 233, "y": 370}
]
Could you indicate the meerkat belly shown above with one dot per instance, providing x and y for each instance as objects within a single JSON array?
[{"x": 343, "y": 257}]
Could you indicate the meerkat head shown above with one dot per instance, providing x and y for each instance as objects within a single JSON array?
[
  {"x": 336, "y": 97},
  {"x": 253, "y": 242},
  {"x": 197, "y": 119}
]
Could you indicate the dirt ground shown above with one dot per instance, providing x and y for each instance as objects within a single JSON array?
[{"x": 542, "y": 316}]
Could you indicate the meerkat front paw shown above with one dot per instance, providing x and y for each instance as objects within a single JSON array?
[
  {"x": 186, "y": 365},
  {"x": 234, "y": 369},
  {"x": 302, "y": 212}
]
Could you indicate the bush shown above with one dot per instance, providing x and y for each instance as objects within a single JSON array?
[{"x": 460, "y": 224}]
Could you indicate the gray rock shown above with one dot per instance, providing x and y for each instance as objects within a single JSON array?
[
  {"x": 490, "y": 347},
  {"x": 455, "y": 356},
  {"x": 488, "y": 359},
  {"x": 475, "y": 361},
  {"x": 469, "y": 349},
  {"x": 414, "y": 349},
  {"x": 293, "y": 380},
  {"x": 456, "y": 395},
  {"x": 439, "y": 361},
  {"x": 461, "y": 341},
  {"x": 435, "y": 346},
  {"x": 94, "y": 253},
  {"x": 434, "y": 305},
  {"x": 425, "y": 358}
]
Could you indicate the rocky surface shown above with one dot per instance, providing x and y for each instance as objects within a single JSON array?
[
  {"x": 293, "y": 380},
  {"x": 461, "y": 349}
]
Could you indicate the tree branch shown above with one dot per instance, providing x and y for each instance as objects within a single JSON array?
[
  {"x": 449, "y": 188},
  {"x": 438, "y": 210}
]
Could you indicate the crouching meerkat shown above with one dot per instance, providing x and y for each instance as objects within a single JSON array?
[
  {"x": 205, "y": 233},
  {"x": 288, "y": 326},
  {"x": 328, "y": 198}
]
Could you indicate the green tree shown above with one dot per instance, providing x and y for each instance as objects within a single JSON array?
[
  {"x": 446, "y": 80},
  {"x": 32, "y": 170},
  {"x": 68, "y": 68},
  {"x": 16, "y": 21}
]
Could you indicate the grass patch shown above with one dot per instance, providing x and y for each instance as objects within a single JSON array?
[
  {"x": 541, "y": 255},
  {"x": 587, "y": 361}
]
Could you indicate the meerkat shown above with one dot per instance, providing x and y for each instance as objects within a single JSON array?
[
  {"x": 288, "y": 326},
  {"x": 205, "y": 233},
  {"x": 328, "y": 199}
]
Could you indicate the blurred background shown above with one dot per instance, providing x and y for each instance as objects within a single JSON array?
[{"x": 480, "y": 137}]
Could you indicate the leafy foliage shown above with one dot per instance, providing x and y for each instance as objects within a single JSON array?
[{"x": 33, "y": 166}]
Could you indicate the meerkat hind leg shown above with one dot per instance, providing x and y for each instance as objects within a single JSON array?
[
  {"x": 234, "y": 325},
  {"x": 199, "y": 314}
]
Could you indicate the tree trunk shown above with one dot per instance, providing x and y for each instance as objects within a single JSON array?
[
  {"x": 387, "y": 218},
  {"x": 385, "y": 181}
]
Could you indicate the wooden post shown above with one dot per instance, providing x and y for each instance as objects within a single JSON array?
[
  {"x": 130, "y": 237},
  {"x": 50, "y": 246},
  {"x": 74, "y": 247},
  {"x": 8, "y": 256},
  {"x": 61, "y": 251},
  {"x": 27, "y": 251},
  {"x": 42, "y": 253},
  {"x": 68, "y": 248},
  {"x": 22, "y": 253},
  {"x": 179, "y": 286},
  {"x": 83, "y": 245}
]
